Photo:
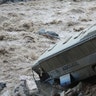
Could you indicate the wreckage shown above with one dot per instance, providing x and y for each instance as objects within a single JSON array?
[{"x": 69, "y": 61}]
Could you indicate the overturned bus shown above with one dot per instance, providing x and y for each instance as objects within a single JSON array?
[{"x": 70, "y": 60}]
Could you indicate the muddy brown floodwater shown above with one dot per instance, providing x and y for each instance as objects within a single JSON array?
[{"x": 20, "y": 43}]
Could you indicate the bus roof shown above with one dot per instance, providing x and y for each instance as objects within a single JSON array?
[{"x": 67, "y": 44}]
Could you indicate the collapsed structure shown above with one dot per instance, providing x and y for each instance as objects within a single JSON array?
[{"x": 69, "y": 61}]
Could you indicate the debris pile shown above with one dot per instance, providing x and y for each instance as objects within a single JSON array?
[{"x": 48, "y": 34}]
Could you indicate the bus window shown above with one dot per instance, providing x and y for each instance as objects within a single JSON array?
[
  {"x": 75, "y": 53},
  {"x": 87, "y": 48},
  {"x": 94, "y": 43}
]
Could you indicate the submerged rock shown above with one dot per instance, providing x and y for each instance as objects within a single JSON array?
[
  {"x": 52, "y": 34},
  {"x": 41, "y": 32},
  {"x": 2, "y": 86},
  {"x": 21, "y": 89},
  {"x": 49, "y": 34},
  {"x": 26, "y": 87}
]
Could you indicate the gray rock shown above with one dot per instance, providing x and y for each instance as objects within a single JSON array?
[
  {"x": 41, "y": 32},
  {"x": 32, "y": 87},
  {"x": 49, "y": 34},
  {"x": 2, "y": 86},
  {"x": 52, "y": 34},
  {"x": 21, "y": 89}
]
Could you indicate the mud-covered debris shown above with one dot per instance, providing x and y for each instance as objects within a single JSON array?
[
  {"x": 79, "y": 87},
  {"x": 21, "y": 89},
  {"x": 75, "y": 91},
  {"x": 2, "y": 85},
  {"x": 26, "y": 87},
  {"x": 52, "y": 34},
  {"x": 71, "y": 92},
  {"x": 32, "y": 87},
  {"x": 48, "y": 34}
]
